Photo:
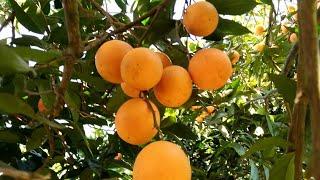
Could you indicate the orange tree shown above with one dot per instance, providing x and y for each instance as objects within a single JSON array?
[{"x": 84, "y": 96}]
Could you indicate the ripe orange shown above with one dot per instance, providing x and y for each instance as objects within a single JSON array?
[
  {"x": 259, "y": 47},
  {"x": 293, "y": 38},
  {"x": 108, "y": 59},
  {"x": 199, "y": 119},
  {"x": 235, "y": 56},
  {"x": 141, "y": 68},
  {"x": 210, "y": 69},
  {"x": 130, "y": 91},
  {"x": 201, "y": 18},
  {"x": 164, "y": 59},
  {"x": 162, "y": 160},
  {"x": 41, "y": 107},
  {"x": 259, "y": 30},
  {"x": 210, "y": 109},
  {"x": 134, "y": 121},
  {"x": 174, "y": 88}
]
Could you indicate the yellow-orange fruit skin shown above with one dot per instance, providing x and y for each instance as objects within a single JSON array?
[
  {"x": 210, "y": 69},
  {"x": 134, "y": 121},
  {"x": 162, "y": 160},
  {"x": 108, "y": 59},
  {"x": 293, "y": 38},
  {"x": 174, "y": 88},
  {"x": 284, "y": 29},
  {"x": 201, "y": 18},
  {"x": 141, "y": 68},
  {"x": 41, "y": 107},
  {"x": 259, "y": 30},
  {"x": 130, "y": 91},
  {"x": 164, "y": 59},
  {"x": 259, "y": 47},
  {"x": 235, "y": 57}
]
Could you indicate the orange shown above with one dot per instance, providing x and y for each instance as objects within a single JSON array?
[
  {"x": 174, "y": 88},
  {"x": 130, "y": 91},
  {"x": 293, "y": 38},
  {"x": 141, "y": 68},
  {"x": 199, "y": 119},
  {"x": 291, "y": 9},
  {"x": 210, "y": 69},
  {"x": 259, "y": 30},
  {"x": 201, "y": 18},
  {"x": 134, "y": 121},
  {"x": 41, "y": 107},
  {"x": 108, "y": 59},
  {"x": 210, "y": 109},
  {"x": 235, "y": 56},
  {"x": 193, "y": 108},
  {"x": 259, "y": 47},
  {"x": 162, "y": 160},
  {"x": 164, "y": 59}
]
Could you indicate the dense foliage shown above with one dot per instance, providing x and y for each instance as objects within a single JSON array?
[{"x": 244, "y": 138}]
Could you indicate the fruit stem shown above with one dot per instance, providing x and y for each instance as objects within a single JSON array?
[{"x": 156, "y": 125}]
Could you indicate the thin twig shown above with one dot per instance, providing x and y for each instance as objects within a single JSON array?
[
  {"x": 23, "y": 175},
  {"x": 155, "y": 123},
  {"x": 290, "y": 59},
  {"x": 7, "y": 21}
]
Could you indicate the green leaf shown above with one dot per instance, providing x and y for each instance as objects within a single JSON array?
[
  {"x": 37, "y": 55},
  {"x": 25, "y": 19},
  {"x": 181, "y": 131},
  {"x": 122, "y": 4},
  {"x": 269, "y": 2},
  {"x": 283, "y": 169},
  {"x": 228, "y": 27},
  {"x": 117, "y": 99},
  {"x": 13, "y": 105},
  {"x": 47, "y": 98},
  {"x": 38, "y": 137},
  {"x": 285, "y": 86},
  {"x": 234, "y": 7},
  {"x": 11, "y": 62},
  {"x": 73, "y": 101},
  {"x": 266, "y": 143},
  {"x": 27, "y": 40},
  {"x": 254, "y": 172},
  {"x": 9, "y": 136}
]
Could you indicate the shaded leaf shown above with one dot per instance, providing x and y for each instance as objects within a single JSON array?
[
  {"x": 37, "y": 55},
  {"x": 283, "y": 169},
  {"x": 285, "y": 86},
  {"x": 9, "y": 136},
  {"x": 266, "y": 143},
  {"x": 25, "y": 19},
  {"x": 227, "y": 27},
  {"x": 234, "y": 7},
  {"x": 117, "y": 99},
  {"x": 254, "y": 172},
  {"x": 181, "y": 131},
  {"x": 11, "y": 62},
  {"x": 38, "y": 137}
]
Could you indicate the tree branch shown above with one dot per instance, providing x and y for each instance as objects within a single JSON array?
[
  {"x": 124, "y": 28},
  {"x": 7, "y": 21},
  {"x": 309, "y": 52},
  {"x": 73, "y": 52},
  {"x": 23, "y": 175},
  {"x": 290, "y": 59}
]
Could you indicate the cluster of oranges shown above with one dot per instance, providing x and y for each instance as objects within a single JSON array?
[{"x": 140, "y": 69}]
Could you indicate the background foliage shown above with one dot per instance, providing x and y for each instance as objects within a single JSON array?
[{"x": 245, "y": 138}]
